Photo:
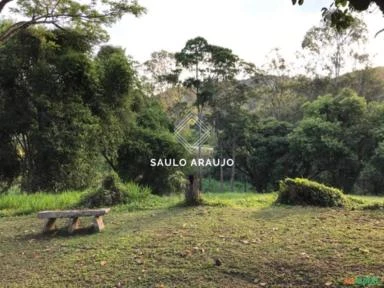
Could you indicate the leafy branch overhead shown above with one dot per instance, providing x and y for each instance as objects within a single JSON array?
[
  {"x": 90, "y": 16},
  {"x": 358, "y": 5},
  {"x": 340, "y": 11}
]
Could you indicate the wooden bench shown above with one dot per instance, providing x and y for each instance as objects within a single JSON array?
[{"x": 74, "y": 215}]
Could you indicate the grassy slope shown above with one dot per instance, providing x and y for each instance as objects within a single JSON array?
[{"x": 176, "y": 247}]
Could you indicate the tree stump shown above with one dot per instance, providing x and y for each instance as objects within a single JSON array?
[{"x": 192, "y": 193}]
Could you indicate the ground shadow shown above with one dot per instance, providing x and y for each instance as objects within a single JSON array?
[
  {"x": 113, "y": 224},
  {"x": 61, "y": 232}
]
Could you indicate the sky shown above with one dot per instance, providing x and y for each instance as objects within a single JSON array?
[{"x": 251, "y": 28}]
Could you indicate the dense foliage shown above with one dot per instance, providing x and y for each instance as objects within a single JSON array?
[
  {"x": 47, "y": 83},
  {"x": 150, "y": 139},
  {"x": 67, "y": 117},
  {"x": 338, "y": 141}
]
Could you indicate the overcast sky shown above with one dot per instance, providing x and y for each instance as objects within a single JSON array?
[{"x": 251, "y": 28}]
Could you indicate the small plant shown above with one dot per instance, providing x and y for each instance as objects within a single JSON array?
[
  {"x": 300, "y": 191},
  {"x": 114, "y": 192},
  {"x": 177, "y": 182}
]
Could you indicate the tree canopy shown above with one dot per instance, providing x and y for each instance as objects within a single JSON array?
[{"x": 90, "y": 16}]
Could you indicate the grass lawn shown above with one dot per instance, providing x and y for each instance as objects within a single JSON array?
[{"x": 158, "y": 244}]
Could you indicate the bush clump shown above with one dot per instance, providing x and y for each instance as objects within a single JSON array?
[
  {"x": 113, "y": 191},
  {"x": 300, "y": 191}
]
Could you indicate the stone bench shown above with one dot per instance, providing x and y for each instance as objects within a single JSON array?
[{"x": 74, "y": 215}]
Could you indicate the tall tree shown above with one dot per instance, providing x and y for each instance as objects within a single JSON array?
[
  {"x": 210, "y": 64},
  {"x": 160, "y": 68},
  {"x": 275, "y": 89},
  {"x": 114, "y": 100},
  {"x": 330, "y": 49},
  {"x": 227, "y": 120}
]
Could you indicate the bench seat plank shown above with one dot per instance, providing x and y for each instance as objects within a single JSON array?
[{"x": 72, "y": 213}]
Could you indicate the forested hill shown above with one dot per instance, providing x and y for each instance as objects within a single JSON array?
[{"x": 282, "y": 96}]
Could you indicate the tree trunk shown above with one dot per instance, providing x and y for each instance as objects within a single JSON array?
[
  {"x": 200, "y": 168},
  {"x": 192, "y": 193},
  {"x": 245, "y": 184},
  {"x": 233, "y": 169},
  {"x": 221, "y": 170}
]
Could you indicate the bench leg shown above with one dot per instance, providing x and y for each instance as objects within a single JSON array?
[
  {"x": 74, "y": 223},
  {"x": 98, "y": 223},
  {"x": 49, "y": 225}
]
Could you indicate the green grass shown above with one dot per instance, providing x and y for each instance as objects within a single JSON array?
[
  {"x": 158, "y": 243},
  {"x": 22, "y": 204},
  {"x": 238, "y": 200},
  {"x": 213, "y": 186},
  {"x": 14, "y": 204},
  {"x": 18, "y": 204}
]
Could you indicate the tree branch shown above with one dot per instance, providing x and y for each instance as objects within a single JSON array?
[
  {"x": 57, "y": 12},
  {"x": 109, "y": 161},
  {"x": 13, "y": 29},
  {"x": 3, "y": 3},
  {"x": 378, "y": 32},
  {"x": 45, "y": 19}
]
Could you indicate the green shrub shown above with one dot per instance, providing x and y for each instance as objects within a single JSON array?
[
  {"x": 177, "y": 182},
  {"x": 114, "y": 192},
  {"x": 135, "y": 154},
  {"x": 300, "y": 191}
]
